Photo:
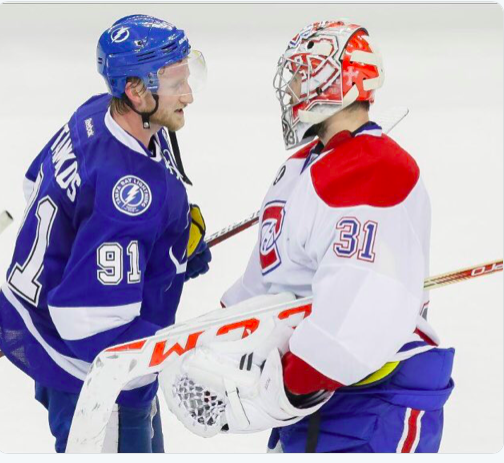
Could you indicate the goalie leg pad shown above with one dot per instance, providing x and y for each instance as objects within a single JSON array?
[{"x": 129, "y": 430}]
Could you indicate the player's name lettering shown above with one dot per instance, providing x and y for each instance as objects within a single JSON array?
[{"x": 66, "y": 168}]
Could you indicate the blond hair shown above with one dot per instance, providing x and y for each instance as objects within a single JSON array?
[{"x": 120, "y": 105}]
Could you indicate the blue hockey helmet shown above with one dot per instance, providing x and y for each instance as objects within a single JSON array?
[{"x": 139, "y": 46}]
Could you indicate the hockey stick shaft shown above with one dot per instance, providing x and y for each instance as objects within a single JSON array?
[
  {"x": 232, "y": 230},
  {"x": 387, "y": 121},
  {"x": 464, "y": 274},
  {"x": 450, "y": 278},
  {"x": 5, "y": 220}
]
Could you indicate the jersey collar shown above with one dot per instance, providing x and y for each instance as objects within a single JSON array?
[
  {"x": 128, "y": 140},
  {"x": 369, "y": 128}
]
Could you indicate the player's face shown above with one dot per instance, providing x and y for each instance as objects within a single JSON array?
[{"x": 175, "y": 94}]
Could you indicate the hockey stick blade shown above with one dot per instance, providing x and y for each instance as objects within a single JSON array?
[
  {"x": 5, "y": 220},
  {"x": 118, "y": 365},
  {"x": 387, "y": 121}
]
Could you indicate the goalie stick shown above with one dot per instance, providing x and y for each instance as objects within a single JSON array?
[
  {"x": 116, "y": 366},
  {"x": 387, "y": 121}
]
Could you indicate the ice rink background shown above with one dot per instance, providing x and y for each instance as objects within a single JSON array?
[{"x": 444, "y": 62}]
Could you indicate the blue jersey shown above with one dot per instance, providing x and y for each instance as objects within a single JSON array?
[{"x": 101, "y": 253}]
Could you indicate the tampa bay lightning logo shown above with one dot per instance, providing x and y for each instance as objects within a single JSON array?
[
  {"x": 120, "y": 35},
  {"x": 131, "y": 195}
]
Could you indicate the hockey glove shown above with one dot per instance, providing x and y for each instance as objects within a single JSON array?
[
  {"x": 237, "y": 386},
  {"x": 198, "y": 253}
]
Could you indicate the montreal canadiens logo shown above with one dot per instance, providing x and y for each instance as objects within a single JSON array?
[
  {"x": 131, "y": 195},
  {"x": 271, "y": 229}
]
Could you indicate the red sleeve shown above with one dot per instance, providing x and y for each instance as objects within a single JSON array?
[{"x": 301, "y": 378}]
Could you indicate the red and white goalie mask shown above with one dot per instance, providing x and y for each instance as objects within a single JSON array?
[{"x": 326, "y": 67}]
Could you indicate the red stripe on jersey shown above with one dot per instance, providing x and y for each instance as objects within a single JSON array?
[
  {"x": 364, "y": 170},
  {"x": 425, "y": 337},
  {"x": 304, "y": 152},
  {"x": 412, "y": 431},
  {"x": 302, "y": 378}
]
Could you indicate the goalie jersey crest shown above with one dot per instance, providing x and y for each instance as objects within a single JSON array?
[{"x": 272, "y": 219}]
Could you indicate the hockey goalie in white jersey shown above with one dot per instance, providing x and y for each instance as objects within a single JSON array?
[{"x": 347, "y": 221}]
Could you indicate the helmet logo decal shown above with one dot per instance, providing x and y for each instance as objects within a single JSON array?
[
  {"x": 131, "y": 195},
  {"x": 120, "y": 35},
  {"x": 351, "y": 73}
]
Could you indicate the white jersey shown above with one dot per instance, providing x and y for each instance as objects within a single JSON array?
[{"x": 351, "y": 228}]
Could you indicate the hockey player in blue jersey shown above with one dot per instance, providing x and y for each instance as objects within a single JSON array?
[{"x": 108, "y": 236}]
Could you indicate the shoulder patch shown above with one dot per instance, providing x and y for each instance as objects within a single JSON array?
[
  {"x": 368, "y": 171},
  {"x": 131, "y": 195}
]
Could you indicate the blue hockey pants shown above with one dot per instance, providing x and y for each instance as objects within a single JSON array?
[{"x": 403, "y": 414}]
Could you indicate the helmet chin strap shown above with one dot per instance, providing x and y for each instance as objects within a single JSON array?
[
  {"x": 178, "y": 159},
  {"x": 173, "y": 137},
  {"x": 145, "y": 116}
]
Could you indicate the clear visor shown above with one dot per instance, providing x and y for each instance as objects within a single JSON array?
[
  {"x": 288, "y": 82},
  {"x": 183, "y": 78}
]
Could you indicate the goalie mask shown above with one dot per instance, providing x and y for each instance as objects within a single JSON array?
[{"x": 326, "y": 67}]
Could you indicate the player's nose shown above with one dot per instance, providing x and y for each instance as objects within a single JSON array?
[{"x": 187, "y": 98}]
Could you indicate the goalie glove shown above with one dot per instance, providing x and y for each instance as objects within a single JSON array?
[{"x": 237, "y": 386}]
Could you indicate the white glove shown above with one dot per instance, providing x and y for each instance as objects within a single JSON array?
[{"x": 237, "y": 386}]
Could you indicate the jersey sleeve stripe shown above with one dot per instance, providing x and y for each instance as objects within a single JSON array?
[
  {"x": 74, "y": 323},
  {"x": 28, "y": 186},
  {"x": 75, "y": 367}
]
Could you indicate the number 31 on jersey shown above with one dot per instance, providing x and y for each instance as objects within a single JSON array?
[{"x": 356, "y": 239}]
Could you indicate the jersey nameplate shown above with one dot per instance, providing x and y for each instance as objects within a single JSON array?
[{"x": 66, "y": 168}]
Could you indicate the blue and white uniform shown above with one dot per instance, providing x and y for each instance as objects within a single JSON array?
[{"x": 101, "y": 252}]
